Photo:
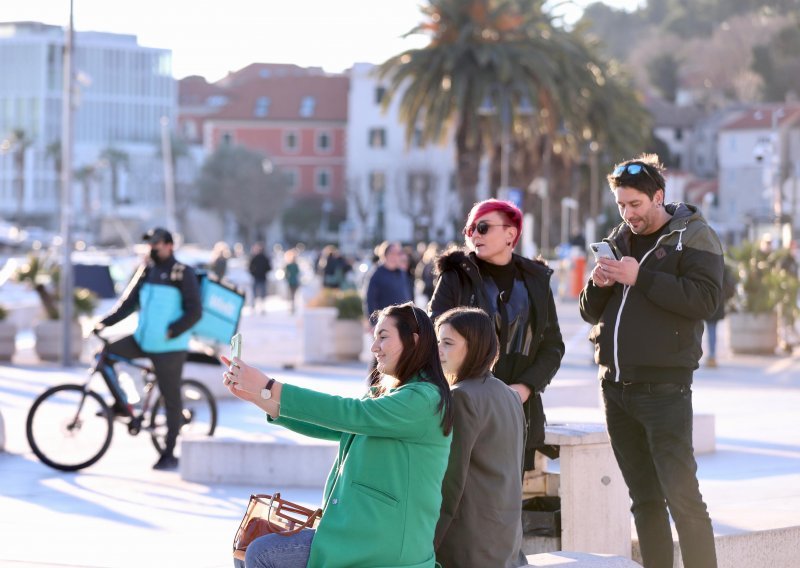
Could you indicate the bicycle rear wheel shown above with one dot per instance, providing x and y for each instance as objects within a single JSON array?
[
  {"x": 69, "y": 427},
  {"x": 199, "y": 413}
]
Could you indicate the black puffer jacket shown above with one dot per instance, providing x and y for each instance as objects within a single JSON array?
[
  {"x": 651, "y": 332},
  {"x": 460, "y": 284}
]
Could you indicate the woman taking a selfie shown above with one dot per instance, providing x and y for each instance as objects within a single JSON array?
[
  {"x": 382, "y": 497},
  {"x": 515, "y": 292},
  {"x": 481, "y": 519}
]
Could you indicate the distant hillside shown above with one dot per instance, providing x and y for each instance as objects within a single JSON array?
[{"x": 710, "y": 52}]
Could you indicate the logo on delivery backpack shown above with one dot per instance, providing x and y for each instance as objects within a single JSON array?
[{"x": 218, "y": 303}]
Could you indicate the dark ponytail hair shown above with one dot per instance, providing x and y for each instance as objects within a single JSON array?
[{"x": 419, "y": 359}]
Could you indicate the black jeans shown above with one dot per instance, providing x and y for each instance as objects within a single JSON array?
[
  {"x": 650, "y": 427},
  {"x": 169, "y": 370}
]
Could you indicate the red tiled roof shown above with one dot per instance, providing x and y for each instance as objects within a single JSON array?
[
  {"x": 760, "y": 117},
  {"x": 195, "y": 91},
  {"x": 256, "y": 71},
  {"x": 284, "y": 96}
]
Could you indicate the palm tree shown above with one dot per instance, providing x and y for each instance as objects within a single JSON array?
[
  {"x": 86, "y": 176},
  {"x": 505, "y": 53},
  {"x": 19, "y": 143},
  {"x": 115, "y": 159}
]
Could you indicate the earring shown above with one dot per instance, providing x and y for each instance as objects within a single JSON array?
[{"x": 508, "y": 244}]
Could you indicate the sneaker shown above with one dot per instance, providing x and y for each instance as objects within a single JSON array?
[
  {"x": 711, "y": 363},
  {"x": 117, "y": 411},
  {"x": 166, "y": 463}
]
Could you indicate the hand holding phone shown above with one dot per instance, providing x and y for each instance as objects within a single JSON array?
[
  {"x": 602, "y": 250},
  {"x": 236, "y": 346}
]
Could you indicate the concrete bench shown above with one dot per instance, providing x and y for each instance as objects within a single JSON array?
[
  {"x": 580, "y": 560},
  {"x": 253, "y": 461},
  {"x": 595, "y": 508}
]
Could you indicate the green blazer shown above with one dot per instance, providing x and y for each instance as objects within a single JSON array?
[{"x": 383, "y": 494}]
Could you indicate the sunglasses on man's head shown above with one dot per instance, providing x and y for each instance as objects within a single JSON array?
[
  {"x": 482, "y": 227},
  {"x": 633, "y": 169}
]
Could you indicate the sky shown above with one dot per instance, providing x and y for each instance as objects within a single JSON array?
[{"x": 213, "y": 38}]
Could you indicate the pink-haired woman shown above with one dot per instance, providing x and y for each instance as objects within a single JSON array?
[{"x": 515, "y": 292}]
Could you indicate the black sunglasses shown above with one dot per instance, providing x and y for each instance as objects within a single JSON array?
[
  {"x": 482, "y": 227},
  {"x": 633, "y": 169}
]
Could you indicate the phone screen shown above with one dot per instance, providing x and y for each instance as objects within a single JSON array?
[{"x": 236, "y": 346}]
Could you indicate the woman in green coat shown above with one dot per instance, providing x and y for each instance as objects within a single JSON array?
[{"x": 383, "y": 495}]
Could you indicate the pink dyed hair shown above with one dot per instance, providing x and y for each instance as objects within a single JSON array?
[{"x": 510, "y": 211}]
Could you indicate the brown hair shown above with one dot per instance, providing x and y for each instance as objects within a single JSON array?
[
  {"x": 419, "y": 358},
  {"x": 475, "y": 326},
  {"x": 649, "y": 183}
]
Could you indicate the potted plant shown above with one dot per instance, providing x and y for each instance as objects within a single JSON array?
[
  {"x": 339, "y": 314},
  {"x": 44, "y": 279},
  {"x": 348, "y": 329},
  {"x": 766, "y": 294},
  {"x": 8, "y": 336}
]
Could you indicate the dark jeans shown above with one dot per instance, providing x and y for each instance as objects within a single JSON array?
[
  {"x": 650, "y": 426},
  {"x": 169, "y": 370}
]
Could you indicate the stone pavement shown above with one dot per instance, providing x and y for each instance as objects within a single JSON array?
[{"x": 120, "y": 513}]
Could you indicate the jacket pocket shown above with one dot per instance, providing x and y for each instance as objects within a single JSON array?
[{"x": 381, "y": 496}]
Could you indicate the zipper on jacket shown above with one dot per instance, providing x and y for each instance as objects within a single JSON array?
[{"x": 627, "y": 288}]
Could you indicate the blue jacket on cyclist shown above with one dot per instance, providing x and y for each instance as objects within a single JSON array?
[{"x": 167, "y": 295}]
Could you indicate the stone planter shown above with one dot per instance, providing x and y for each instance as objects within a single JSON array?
[
  {"x": 48, "y": 340},
  {"x": 752, "y": 333},
  {"x": 348, "y": 339},
  {"x": 8, "y": 338}
]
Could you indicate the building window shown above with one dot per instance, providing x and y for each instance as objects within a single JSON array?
[
  {"x": 377, "y": 181},
  {"x": 291, "y": 141},
  {"x": 679, "y": 134},
  {"x": 377, "y": 138},
  {"x": 307, "y": 105},
  {"x": 417, "y": 142},
  {"x": 323, "y": 141},
  {"x": 262, "y": 107},
  {"x": 292, "y": 178},
  {"x": 322, "y": 180},
  {"x": 380, "y": 94}
]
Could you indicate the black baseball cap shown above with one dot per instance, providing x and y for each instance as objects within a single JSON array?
[{"x": 157, "y": 235}]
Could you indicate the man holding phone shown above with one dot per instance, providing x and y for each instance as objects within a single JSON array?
[
  {"x": 167, "y": 296},
  {"x": 647, "y": 311}
]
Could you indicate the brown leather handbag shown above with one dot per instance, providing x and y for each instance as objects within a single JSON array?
[{"x": 268, "y": 514}]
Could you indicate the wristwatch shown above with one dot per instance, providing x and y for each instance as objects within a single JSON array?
[{"x": 266, "y": 392}]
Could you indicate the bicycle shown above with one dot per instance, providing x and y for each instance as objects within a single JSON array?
[{"x": 70, "y": 426}]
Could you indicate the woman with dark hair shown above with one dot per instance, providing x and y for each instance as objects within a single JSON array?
[
  {"x": 515, "y": 292},
  {"x": 481, "y": 483},
  {"x": 383, "y": 494}
]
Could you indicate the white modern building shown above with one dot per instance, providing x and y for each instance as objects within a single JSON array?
[
  {"x": 123, "y": 90},
  {"x": 759, "y": 161},
  {"x": 396, "y": 191}
]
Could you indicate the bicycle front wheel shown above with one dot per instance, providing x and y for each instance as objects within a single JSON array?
[
  {"x": 69, "y": 427},
  {"x": 199, "y": 415}
]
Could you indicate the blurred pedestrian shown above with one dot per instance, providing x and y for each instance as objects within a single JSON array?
[
  {"x": 291, "y": 272},
  {"x": 218, "y": 264},
  {"x": 424, "y": 272},
  {"x": 389, "y": 283},
  {"x": 259, "y": 267},
  {"x": 728, "y": 291}
]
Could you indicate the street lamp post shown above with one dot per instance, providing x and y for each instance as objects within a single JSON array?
[{"x": 66, "y": 195}]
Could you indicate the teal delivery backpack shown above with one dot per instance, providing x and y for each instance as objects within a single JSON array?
[{"x": 222, "y": 308}]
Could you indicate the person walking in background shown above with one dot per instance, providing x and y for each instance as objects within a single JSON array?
[
  {"x": 291, "y": 272},
  {"x": 647, "y": 311},
  {"x": 389, "y": 283},
  {"x": 167, "y": 296},
  {"x": 486, "y": 452},
  {"x": 259, "y": 267},
  {"x": 218, "y": 264},
  {"x": 728, "y": 291},
  {"x": 424, "y": 273},
  {"x": 384, "y": 491},
  {"x": 515, "y": 292}
]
